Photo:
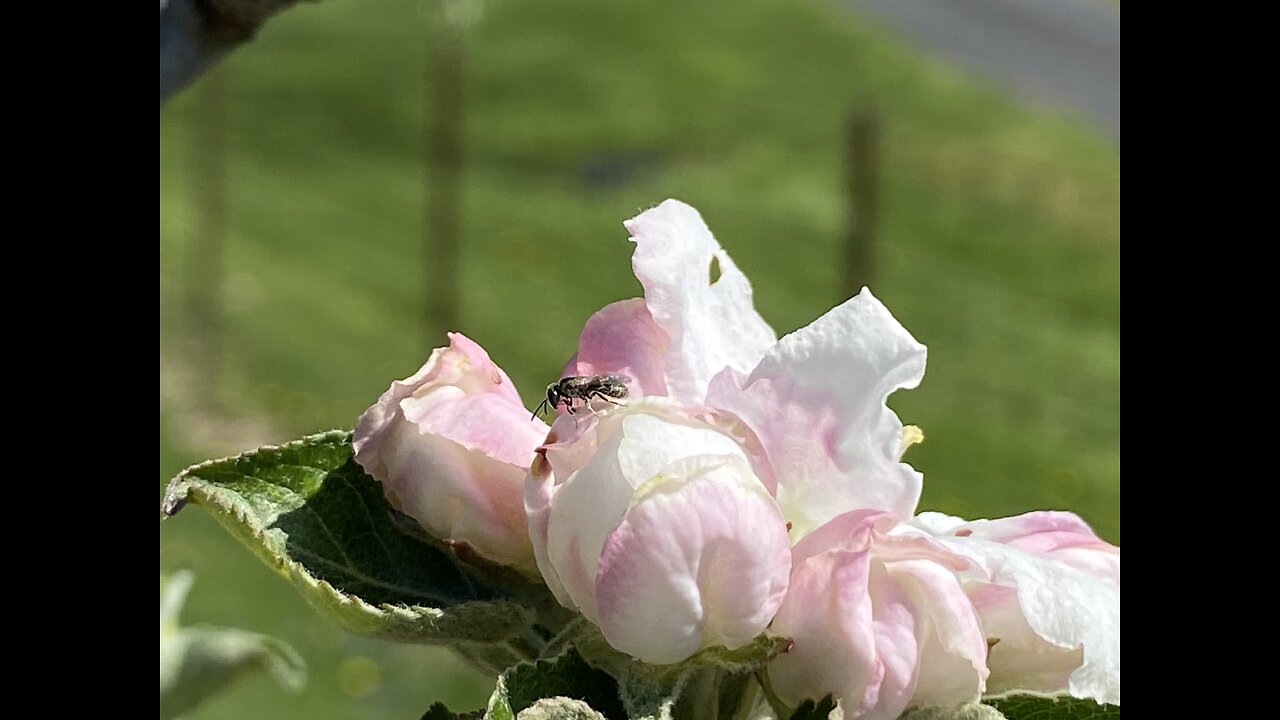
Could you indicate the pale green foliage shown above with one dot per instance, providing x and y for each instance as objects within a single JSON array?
[
  {"x": 197, "y": 662},
  {"x": 1030, "y": 707},
  {"x": 309, "y": 510},
  {"x": 974, "y": 711}
]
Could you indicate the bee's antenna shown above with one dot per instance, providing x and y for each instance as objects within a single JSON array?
[{"x": 538, "y": 411}]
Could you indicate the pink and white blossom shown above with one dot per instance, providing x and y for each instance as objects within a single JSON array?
[
  {"x": 654, "y": 522},
  {"x": 451, "y": 445},
  {"x": 1048, "y": 591},
  {"x": 815, "y": 398},
  {"x": 885, "y": 620},
  {"x": 749, "y": 484},
  {"x": 878, "y": 619}
]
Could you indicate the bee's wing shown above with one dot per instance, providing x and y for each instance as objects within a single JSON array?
[{"x": 620, "y": 379}]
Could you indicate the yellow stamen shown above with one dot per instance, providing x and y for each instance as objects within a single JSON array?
[{"x": 910, "y": 436}]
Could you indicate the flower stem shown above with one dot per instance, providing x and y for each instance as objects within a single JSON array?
[
  {"x": 747, "y": 703},
  {"x": 700, "y": 697},
  {"x": 779, "y": 708}
]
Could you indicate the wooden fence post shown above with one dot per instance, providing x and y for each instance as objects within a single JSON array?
[
  {"x": 863, "y": 158},
  {"x": 446, "y": 68},
  {"x": 205, "y": 252}
]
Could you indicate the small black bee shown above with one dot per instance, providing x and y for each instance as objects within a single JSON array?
[{"x": 610, "y": 388}]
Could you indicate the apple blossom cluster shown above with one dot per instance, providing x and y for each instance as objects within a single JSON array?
[{"x": 749, "y": 485}]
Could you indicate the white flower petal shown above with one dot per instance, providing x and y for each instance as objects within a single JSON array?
[
  {"x": 953, "y": 664},
  {"x": 710, "y": 325},
  {"x": 590, "y": 503},
  {"x": 1064, "y": 606},
  {"x": 539, "y": 492},
  {"x": 817, "y": 403},
  {"x": 584, "y": 511},
  {"x": 701, "y": 558}
]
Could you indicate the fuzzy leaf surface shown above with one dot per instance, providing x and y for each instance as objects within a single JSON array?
[{"x": 308, "y": 510}]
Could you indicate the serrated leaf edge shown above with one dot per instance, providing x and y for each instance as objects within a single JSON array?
[{"x": 182, "y": 489}]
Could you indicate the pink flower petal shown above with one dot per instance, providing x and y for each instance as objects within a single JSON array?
[
  {"x": 539, "y": 491},
  {"x": 700, "y": 559},
  {"x": 827, "y": 612},
  {"x": 451, "y": 445},
  {"x": 622, "y": 339},
  {"x": 880, "y": 620},
  {"x": 1060, "y": 535},
  {"x": 490, "y": 424},
  {"x": 612, "y": 495},
  {"x": 638, "y": 442},
  {"x": 460, "y": 495}
]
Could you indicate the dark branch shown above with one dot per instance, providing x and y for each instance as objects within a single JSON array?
[{"x": 194, "y": 34}]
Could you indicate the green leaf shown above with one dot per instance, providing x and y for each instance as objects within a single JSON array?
[
  {"x": 655, "y": 691},
  {"x": 972, "y": 711},
  {"x": 438, "y": 711},
  {"x": 309, "y": 510},
  {"x": 814, "y": 710},
  {"x": 173, "y": 595},
  {"x": 565, "y": 676},
  {"x": 738, "y": 696},
  {"x": 1021, "y": 707},
  {"x": 198, "y": 662},
  {"x": 1033, "y": 707}
]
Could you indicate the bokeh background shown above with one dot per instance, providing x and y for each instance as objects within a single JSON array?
[{"x": 365, "y": 176}]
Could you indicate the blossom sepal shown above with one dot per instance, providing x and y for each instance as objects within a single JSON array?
[{"x": 653, "y": 691}]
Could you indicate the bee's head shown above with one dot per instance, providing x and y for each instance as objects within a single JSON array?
[{"x": 553, "y": 395}]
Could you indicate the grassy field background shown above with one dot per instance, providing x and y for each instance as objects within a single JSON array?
[{"x": 1000, "y": 251}]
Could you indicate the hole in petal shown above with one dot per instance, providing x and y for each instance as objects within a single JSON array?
[{"x": 714, "y": 270}]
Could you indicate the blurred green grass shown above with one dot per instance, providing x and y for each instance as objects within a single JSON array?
[{"x": 1000, "y": 249}]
